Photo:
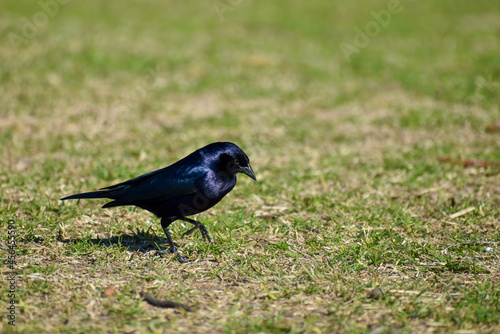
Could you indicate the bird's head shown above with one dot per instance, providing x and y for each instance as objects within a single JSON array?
[{"x": 233, "y": 160}]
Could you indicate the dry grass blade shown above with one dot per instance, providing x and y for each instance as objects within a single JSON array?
[{"x": 461, "y": 212}]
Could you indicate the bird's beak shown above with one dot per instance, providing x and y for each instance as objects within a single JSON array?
[{"x": 248, "y": 171}]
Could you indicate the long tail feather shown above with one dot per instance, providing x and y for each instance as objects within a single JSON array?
[{"x": 92, "y": 194}]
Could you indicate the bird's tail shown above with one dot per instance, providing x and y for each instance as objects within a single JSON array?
[{"x": 92, "y": 194}]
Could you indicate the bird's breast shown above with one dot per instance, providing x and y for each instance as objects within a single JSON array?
[{"x": 216, "y": 186}]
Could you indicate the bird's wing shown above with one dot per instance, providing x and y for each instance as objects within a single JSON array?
[
  {"x": 137, "y": 179},
  {"x": 162, "y": 184}
]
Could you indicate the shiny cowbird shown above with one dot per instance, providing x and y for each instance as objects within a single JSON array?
[{"x": 187, "y": 187}]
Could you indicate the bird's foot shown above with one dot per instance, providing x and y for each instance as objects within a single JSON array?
[
  {"x": 204, "y": 233},
  {"x": 203, "y": 230},
  {"x": 181, "y": 258}
]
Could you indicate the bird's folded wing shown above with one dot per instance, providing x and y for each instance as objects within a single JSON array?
[
  {"x": 162, "y": 184},
  {"x": 140, "y": 178}
]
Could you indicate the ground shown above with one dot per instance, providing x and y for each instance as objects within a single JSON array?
[{"x": 357, "y": 119}]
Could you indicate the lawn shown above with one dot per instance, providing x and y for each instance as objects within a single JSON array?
[{"x": 377, "y": 205}]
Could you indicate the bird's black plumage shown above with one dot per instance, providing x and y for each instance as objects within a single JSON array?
[{"x": 187, "y": 187}]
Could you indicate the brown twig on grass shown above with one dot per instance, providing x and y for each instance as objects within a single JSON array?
[
  {"x": 495, "y": 127},
  {"x": 163, "y": 303},
  {"x": 470, "y": 163}
]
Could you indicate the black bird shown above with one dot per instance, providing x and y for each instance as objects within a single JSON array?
[{"x": 187, "y": 187}]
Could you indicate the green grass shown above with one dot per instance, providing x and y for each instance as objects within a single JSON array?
[{"x": 351, "y": 195}]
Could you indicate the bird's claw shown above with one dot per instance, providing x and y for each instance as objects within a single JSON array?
[
  {"x": 204, "y": 233},
  {"x": 181, "y": 258},
  {"x": 203, "y": 230}
]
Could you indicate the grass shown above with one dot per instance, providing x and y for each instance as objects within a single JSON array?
[{"x": 348, "y": 228}]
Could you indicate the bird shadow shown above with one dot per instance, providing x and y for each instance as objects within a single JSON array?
[{"x": 138, "y": 242}]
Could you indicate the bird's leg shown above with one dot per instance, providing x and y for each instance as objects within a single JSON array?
[
  {"x": 165, "y": 223},
  {"x": 197, "y": 225}
]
